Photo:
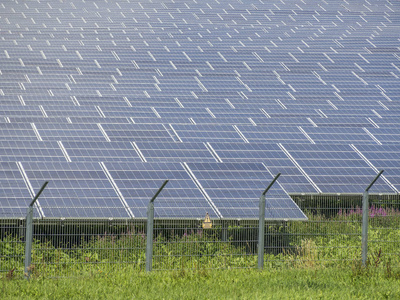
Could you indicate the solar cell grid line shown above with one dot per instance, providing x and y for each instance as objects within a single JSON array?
[
  {"x": 168, "y": 113},
  {"x": 18, "y": 110},
  {"x": 230, "y": 120},
  {"x": 387, "y": 122},
  {"x": 392, "y": 112},
  {"x": 164, "y": 120},
  {"x": 354, "y": 112},
  {"x": 128, "y": 112},
  {"x": 290, "y": 113},
  {"x": 282, "y": 121}
]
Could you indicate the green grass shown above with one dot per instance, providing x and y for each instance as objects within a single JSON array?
[{"x": 380, "y": 282}]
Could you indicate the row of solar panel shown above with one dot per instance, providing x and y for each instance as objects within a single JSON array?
[
  {"x": 254, "y": 101},
  {"x": 189, "y": 33},
  {"x": 268, "y": 109},
  {"x": 327, "y": 134},
  {"x": 121, "y": 190},
  {"x": 307, "y": 168},
  {"x": 168, "y": 17}
]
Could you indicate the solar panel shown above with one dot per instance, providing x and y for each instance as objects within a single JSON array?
[
  {"x": 273, "y": 159},
  {"x": 176, "y": 152},
  {"x": 77, "y": 190},
  {"x": 136, "y": 132},
  {"x": 107, "y": 99},
  {"x": 383, "y": 157},
  {"x": 335, "y": 168},
  {"x": 100, "y": 151},
  {"x": 181, "y": 198},
  {"x": 14, "y": 195},
  {"x": 235, "y": 189},
  {"x": 30, "y": 151}
]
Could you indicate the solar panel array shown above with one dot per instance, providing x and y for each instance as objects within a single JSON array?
[{"x": 107, "y": 99}]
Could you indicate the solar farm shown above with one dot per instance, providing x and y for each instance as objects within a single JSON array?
[{"x": 108, "y": 99}]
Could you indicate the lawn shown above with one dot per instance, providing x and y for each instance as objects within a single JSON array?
[{"x": 382, "y": 282}]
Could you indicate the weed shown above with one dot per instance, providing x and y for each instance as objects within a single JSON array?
[{"x": 10, "y": 274}]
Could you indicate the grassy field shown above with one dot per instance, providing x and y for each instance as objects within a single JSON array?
[{"x": 382, "y": 282}]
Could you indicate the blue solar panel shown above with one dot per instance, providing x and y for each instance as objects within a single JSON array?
[
  {"x": 176, "y": 152},
  {"x": 384, "y": 157},
  {"x": 80, "y": 190},
  {"x": 14, "y": 194},
  {"x": 273, "y": 159},
  {"x": 100, "y": 151},
  {"x": 30, "y": 151},
  {"x": 181, "y": 198},
  {"x": 107, "y": 99},
  {"x": 235, "y": 189},
  {"x": 336, "y": 168}
]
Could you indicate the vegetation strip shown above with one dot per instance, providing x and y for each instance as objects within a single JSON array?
[{"x": 373, "y": 282}]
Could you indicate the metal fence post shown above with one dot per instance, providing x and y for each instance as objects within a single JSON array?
[
  {"x": 224, "y": 231},
  {"x": 364, "y": 233},
  {"x": 150, "y": 226},
  {"x": 29, "y": 233},
  {"x": 261, "y": 224}
]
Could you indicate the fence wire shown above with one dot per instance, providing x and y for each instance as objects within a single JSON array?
[{"x": 331, "y": 236}]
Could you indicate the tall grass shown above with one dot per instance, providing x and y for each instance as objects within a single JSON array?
[{"x": 381, "y": 282}]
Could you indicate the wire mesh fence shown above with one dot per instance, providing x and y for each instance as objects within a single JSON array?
[
  {"x": 79, "y": 247},
  {"x": 384, "y": 233},
  {"x": 331, "y": 236},
  {"x": 12, "y": 246},
  {"x": 186, "y": 244}
]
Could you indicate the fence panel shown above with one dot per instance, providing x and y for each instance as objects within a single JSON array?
[
  {"x": 12, "y": 247},
  {"x": 331, "y": 236},
  {"x": 186, "y": 244},
  {"x": 87, "y": 247},
  {"x": 384, "y": 229}
]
